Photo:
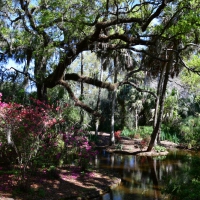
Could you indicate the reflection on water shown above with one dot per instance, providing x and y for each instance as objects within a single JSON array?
[{"x": 142, "y": 177}]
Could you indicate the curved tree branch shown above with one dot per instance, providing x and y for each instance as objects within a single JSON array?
[
  {"x": 77, "y": 101},
  {"x": 155, "y": 14},
  {"x": 24, "y": 73},
  {"x": 91, "y": 81},
  {"x": 139, "y": 89},
  {"x": 188, "y": 68}
]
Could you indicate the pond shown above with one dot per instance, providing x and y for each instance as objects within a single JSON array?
[{"x": 142, "y": 177}]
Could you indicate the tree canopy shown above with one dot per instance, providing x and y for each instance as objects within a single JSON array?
[{"x": 51, "y": 34}]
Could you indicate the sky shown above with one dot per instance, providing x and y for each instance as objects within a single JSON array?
[{"x": 11, "y": 63}]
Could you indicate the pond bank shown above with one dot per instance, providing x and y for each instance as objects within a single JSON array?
[{"x": 131, "y": 146}]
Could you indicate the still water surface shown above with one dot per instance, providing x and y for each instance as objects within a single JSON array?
[{"x": 142, "y": 177}]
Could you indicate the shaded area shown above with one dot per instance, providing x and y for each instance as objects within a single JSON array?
[{"x": 66, "y": 183}]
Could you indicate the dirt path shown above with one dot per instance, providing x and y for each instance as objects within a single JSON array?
[{"x": 131, "y": 146}]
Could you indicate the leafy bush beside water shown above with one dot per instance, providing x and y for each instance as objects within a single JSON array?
[
  {"x": 187, "y": 185},
  {"x": 185, "y": 132},
  {"x": 190, "y": 129}
]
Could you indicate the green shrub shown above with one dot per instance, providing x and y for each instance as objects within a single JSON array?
[
  {"x": 127, "y": 133},
  {"x": 141, "y": 132},
  {"x": 145, "y": 131},
  {"x": 72, "y": 115},
  {"x": 187, "y": 185},
  {"x": 158, "y": 148},
  {"x": 190, "y": 129},
  {"x": 171, "y": 132},
  {"x": 172, "y": 137}
]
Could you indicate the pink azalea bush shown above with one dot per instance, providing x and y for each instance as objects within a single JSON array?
[
  {"x": 33, "y": 132},
  {"x": 28, "y": 129},
  {"x": 81, "y": 147}
]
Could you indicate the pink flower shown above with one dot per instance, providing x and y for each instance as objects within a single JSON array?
[{"x": 58, "y": 108}]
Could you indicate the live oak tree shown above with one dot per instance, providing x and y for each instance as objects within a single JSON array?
[
  {"x": 42, "y": 31},
  {"x": 49, "y": 35}
]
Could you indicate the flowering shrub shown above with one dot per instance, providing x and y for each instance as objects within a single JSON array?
[
  {"x": 86, "y": 154},
  {"x": 28, "y": 129},
  {"x": 144, "y": 142},
  {"x": 117, "y": 135},
  {"x": 37, "y": 136},
  {"x": 80, "y": 145}
]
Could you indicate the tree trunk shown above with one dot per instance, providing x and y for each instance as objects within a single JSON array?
[
  {"x": 98, "y": 102},
  {"x": 159, "y": 91},
  {"x": 41, "y": 92},
  {"x": 112, "y": 136},
  {"x": 136, "y": 119},
  {"x": 96, "y": 126},
  {"x": 82, "y": 88},
  {"x": 39, "y": 74},
  {"x": 114, "y": 94},
  {"x": 157, "y": 127}
]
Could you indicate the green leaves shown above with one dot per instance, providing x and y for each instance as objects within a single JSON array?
[
  {"x": 190, "y": 78},
  {"x": 47, "y": 16}
]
